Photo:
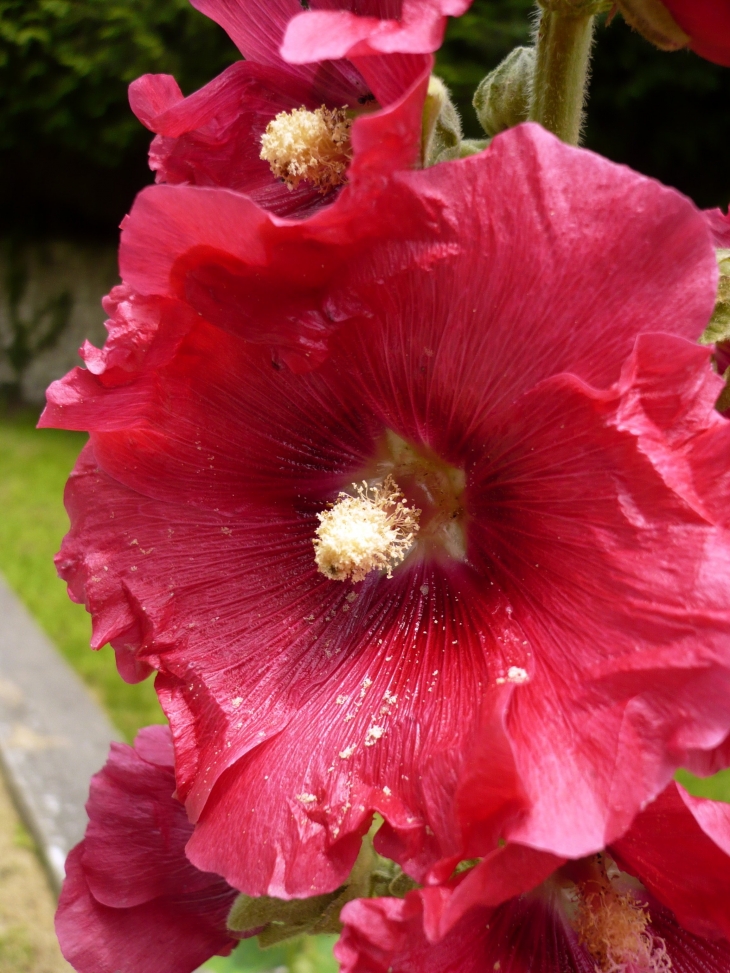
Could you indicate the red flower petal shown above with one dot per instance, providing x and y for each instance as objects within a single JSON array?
[
  {"x": 326, "y": 733},
  {"x": 213, "y": 137},
  {"x": 144, "y": 334},
  {"x": 688, "y": 953},
  {"x": 522, "y": 936},
  {"x": 153, "y": 95},
  {"x": 131, "y": 899},
  {"x": 255, "y": 27},
  {"x": 680, "y": 849},
  {"x": 708, "y": 24},
  {"x": 504, "y": 873},
  {"x": 597, "y": 547}
]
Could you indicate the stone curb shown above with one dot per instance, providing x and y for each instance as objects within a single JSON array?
[{"x": 53, "y": 735}]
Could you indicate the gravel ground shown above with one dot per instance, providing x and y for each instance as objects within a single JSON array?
[{"x": 27, "y": 940}]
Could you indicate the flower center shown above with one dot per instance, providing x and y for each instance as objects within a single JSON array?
[
  {"x": 436, "y": 487},
  {"x": 371, "y": 531},
  {"x": 408, "y": 502},
  {"x": 614, "y": 926},
  {"x": 310, "y": 146}
]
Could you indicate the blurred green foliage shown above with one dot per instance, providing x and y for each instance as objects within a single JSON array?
[
  {"x": 68, "y": 140},
  {"x": 311, "y": 954},
  {"x": 663, "y": 114},
  {"x": 65, "y": 66},
  {"x": 24, "y": 335}
]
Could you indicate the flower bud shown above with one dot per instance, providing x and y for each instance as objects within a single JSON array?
[
  {"x": 472, "y": 147},
  {"x": 279, "y": 920},
  {"x": 441, "y": 132},
  {"x": 652, "y": 19},
  {"x": 503, "y": 97}
]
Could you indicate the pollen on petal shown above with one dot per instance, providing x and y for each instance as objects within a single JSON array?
[
  {"x": 371, "y": 531},
  {"x": 309, "y": 146},
  {"x": 306, "y": 798}
]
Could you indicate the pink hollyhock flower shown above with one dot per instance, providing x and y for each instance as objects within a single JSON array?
[
  {"x": 214, "y": 137},
  {"x": 131, "y": 899},
  {"x": 657, "y": 900},
  {"x": 562, "y": 596}
]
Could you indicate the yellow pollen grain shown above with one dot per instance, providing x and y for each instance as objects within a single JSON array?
[
  {"x": 309, "y": 146},
  {"x": 614, "y": 928},
  {"x": 372, "y": 531}
]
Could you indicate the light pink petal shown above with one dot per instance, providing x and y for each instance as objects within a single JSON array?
[
  {"x": 719, "y": 224},
  {"x": 320, "y": 34},
  {"x": 152, "y": 95}
]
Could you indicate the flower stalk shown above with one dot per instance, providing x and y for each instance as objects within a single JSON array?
[{"x": 563, "y": 49}]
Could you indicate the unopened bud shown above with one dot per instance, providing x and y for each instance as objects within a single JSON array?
[
  {"x": 441, "y": 132},
  {"x": 653, "y": 20},
  {"x": 502, "y": 99},
  {"x": 277, "y": 920},
  {"x": 472, "y": 147}
]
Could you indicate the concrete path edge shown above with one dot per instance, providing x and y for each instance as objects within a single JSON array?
[{"x": 53, "y": 735}]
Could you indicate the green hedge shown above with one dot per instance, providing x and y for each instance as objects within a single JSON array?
[
  {"x": 65, "y": 66},
  {"x": 72, "y": 155}
]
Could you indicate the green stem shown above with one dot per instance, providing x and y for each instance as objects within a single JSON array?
[{"x": 563, "y": 50}]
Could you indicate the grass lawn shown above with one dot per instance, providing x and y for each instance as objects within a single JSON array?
[
  {"x": 312, "y": 954},
  {"x": 34, "y": 465}
]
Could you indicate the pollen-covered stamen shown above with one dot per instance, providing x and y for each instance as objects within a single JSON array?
[
  {"x": 371, "y": 531},
  {"x": 615, "y": 928},
  {"x": 311, "y": 146}
]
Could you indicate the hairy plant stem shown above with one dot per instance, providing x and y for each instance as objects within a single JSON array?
[{"x": 563, "y": 49}]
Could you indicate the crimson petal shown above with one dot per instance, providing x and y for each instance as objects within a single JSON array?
[{"x": 131, "y": 900}]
